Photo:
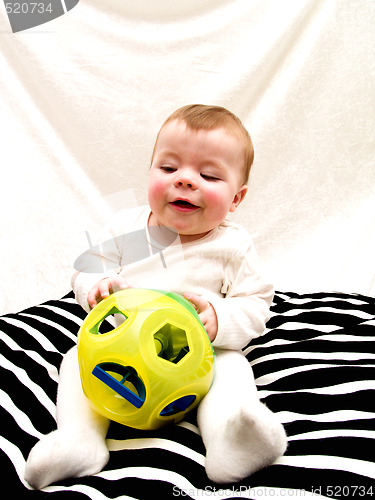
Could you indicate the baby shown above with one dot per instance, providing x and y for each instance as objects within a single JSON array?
[{"x": 199, "y": 172}]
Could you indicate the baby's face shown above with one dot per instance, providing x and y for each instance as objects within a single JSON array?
[{"x": 195, "y": 179}]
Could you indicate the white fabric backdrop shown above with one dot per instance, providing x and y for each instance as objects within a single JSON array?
[{"x": 82, "y": 98}]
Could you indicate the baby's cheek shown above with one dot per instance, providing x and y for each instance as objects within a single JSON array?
[
  {"x": 155, "y": 190},
  {"x": 212, "y": 196},
  {"x": 217, "y": 202}
]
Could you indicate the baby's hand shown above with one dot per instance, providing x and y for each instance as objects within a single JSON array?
[
  {"x": 104, "y": 288},
  {"x": 206, "y": 313}
]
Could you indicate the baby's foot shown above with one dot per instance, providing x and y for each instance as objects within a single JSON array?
[
  {"x": 249, "y": 441},
  {"x": 62, "y": 454}
]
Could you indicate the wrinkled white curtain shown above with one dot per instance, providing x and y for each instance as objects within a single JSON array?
[{"x": 82, "y": 98}]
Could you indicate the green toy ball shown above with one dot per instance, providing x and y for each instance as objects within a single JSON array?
[{"x": 154, "y": 367}]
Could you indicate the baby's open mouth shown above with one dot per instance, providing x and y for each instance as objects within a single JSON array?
[{"x": 184, "y": 205}]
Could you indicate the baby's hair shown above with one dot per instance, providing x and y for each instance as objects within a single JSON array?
[{"x": 205, "y": 117}]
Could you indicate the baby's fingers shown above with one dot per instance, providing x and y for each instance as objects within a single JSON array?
[
  {"x": 104, "y": 288},
  {"x": 198, "y": 302},
  {"x": 93, "y": 297},
  {"x": 118, "y": 283},
  {"x": 98, "y": 292}
]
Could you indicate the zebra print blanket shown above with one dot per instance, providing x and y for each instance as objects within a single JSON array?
[{"x": 314, "y": 366}]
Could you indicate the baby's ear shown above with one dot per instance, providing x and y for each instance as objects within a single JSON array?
[{"x": 238, "y": 198}]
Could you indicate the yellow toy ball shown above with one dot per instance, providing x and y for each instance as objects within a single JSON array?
[{"x": 154, "y": 367}]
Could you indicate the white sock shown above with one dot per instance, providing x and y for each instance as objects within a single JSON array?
[
  {"x": 62, "y": 454},
  {"x": 241, "y": 435},
  {"x": 78, "y": 447},
  {"x": 245, "y": 443}
]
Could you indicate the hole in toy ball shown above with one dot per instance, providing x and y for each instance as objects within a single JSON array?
[
  {"x": 109, "y": 322},
  {"x": 177, "y": 406},
  {"x": 171, "y": 343},
  {"x": 124, "y": 380}
]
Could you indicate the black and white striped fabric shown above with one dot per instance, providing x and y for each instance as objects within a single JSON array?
[{"x": 314, "y": 367}]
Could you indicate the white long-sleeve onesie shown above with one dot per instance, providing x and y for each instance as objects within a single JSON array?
[
  {"x": 240, "y": 434},
  {"x": 222, "y": 267}
]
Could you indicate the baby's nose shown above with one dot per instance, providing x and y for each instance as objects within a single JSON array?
[{"x": 184, "y": 180}]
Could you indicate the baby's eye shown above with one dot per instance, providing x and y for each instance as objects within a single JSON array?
[
  {"x": 167, "y": 168},
  {"x": 210, "y": 178}
]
